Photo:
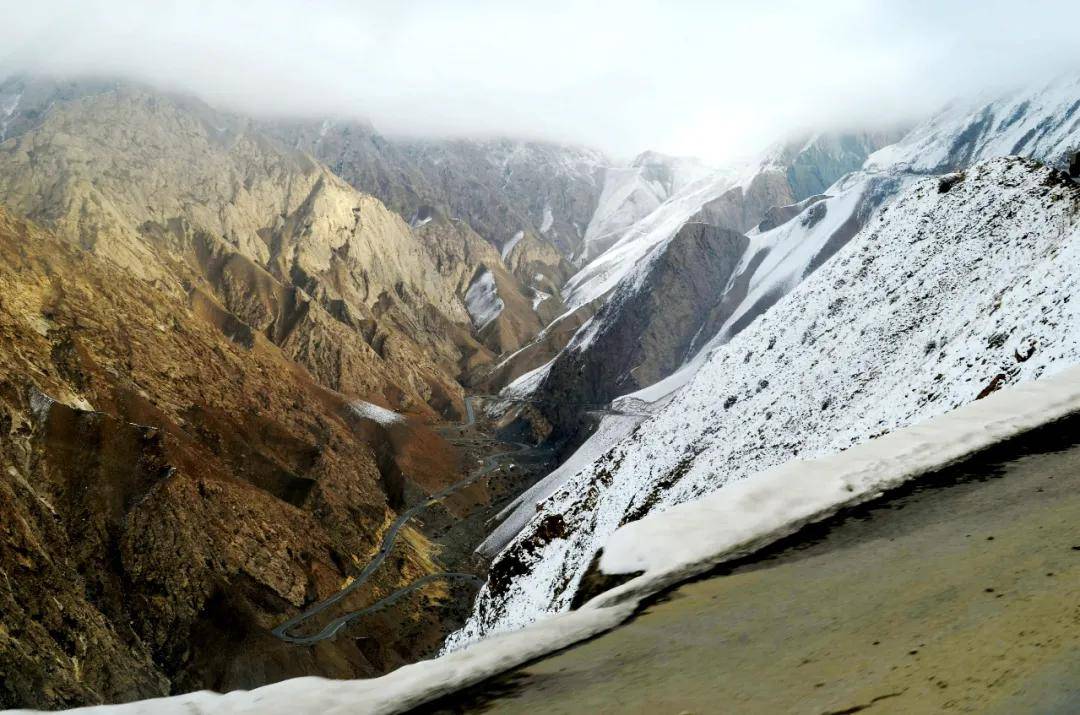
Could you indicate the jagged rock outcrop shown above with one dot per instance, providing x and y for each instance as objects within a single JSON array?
[
  {"x": 194, "y": 200},
  {"x": 499, "y": 187},
  {"x": 536, "y": 263},
  {"x": 506, "y": 312},
  {"x": 173, "y": 487}
]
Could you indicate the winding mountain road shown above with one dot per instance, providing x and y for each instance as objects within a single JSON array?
[{"x": 284, "y": 630}]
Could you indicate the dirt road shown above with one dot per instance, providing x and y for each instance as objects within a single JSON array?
[{"x": 958, "y": 594}]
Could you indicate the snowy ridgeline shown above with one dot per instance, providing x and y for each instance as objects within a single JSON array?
[
  {"x": 633, "y": 192},
  {"x": 638, "y": 241},
  {"x": 946, "y": 294},
  {"x": 669, "y": 547},
  {"x": 636, "y": 215}
]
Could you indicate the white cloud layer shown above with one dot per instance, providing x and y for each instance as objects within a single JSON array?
[{"x": 712, "y": 78}]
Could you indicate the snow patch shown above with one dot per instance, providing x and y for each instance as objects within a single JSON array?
[
  {"x": 548, "y": 220},
  {"x": 8, "y": 105},
  {"x": 509, "y": 246},
  {"x": 539, "y": 297},
  {"x": 482, "y": 300},
  {"x": 375, "y": 413}
]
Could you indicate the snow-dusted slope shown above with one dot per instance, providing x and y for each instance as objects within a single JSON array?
[
  {"x": 1043, "y": 124},
  {"x": 951, "y": 291},
  {"x": 632, "y": 192},
  {"x": 629, "y": 253}
]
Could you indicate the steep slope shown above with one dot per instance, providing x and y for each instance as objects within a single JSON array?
[
  {"x": 723, "y": 199},
  {"x": 1038, "y": 122},
  {"x": 548, "y": 189},
  {"x": 957, "y": 288},
  {"x": 811, "y": 166},
  {"x": 736, "y": 199},
  {"x": 644, "y": 330},
  {"x": 1043, "y": 123},
  {"x": 633, "y": 192},
  {"x": 504, "y": 312},
  {"x": 530, "y": 200},
  {"x": 195, "y": 202},
  {"x": 499, "y": 187},
  {"x": 174, "y": 488}
]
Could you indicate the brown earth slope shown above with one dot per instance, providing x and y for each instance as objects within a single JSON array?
[{"x": 173, "y": 485}]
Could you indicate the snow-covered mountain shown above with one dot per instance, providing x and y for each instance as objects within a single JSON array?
[
  {"x": 632, "y": 192},
  {"x": 1042, "y": 124},
  {"x": 891, "y": 300},
  {"x": 943, "y": 297},
  {"x": 653, "y": 342}
]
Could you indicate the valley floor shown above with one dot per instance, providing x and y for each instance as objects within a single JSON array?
[{"x": 958, "y": 593}]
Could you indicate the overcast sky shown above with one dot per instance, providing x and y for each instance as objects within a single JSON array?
[{"x": 715, "y": 79}]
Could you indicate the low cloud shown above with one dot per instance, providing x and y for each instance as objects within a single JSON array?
[{"x": 716, "y": 79}]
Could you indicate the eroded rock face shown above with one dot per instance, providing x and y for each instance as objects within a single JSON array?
[
  {"x": 813, "y": 165},
  {"x": 498, "y": 187},
  {"x": 191, "y": 199},
  {"x": 172, "y": 490},
  {"x": 741, "y": 208},
  {"x": 643, "y": 332},
  {"x": 466, "y": 260}
]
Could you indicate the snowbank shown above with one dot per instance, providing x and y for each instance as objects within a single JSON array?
[{"x": 687, "y": 538}]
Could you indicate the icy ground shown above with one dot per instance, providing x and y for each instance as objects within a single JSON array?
[{"x": 482, "y": 300}]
